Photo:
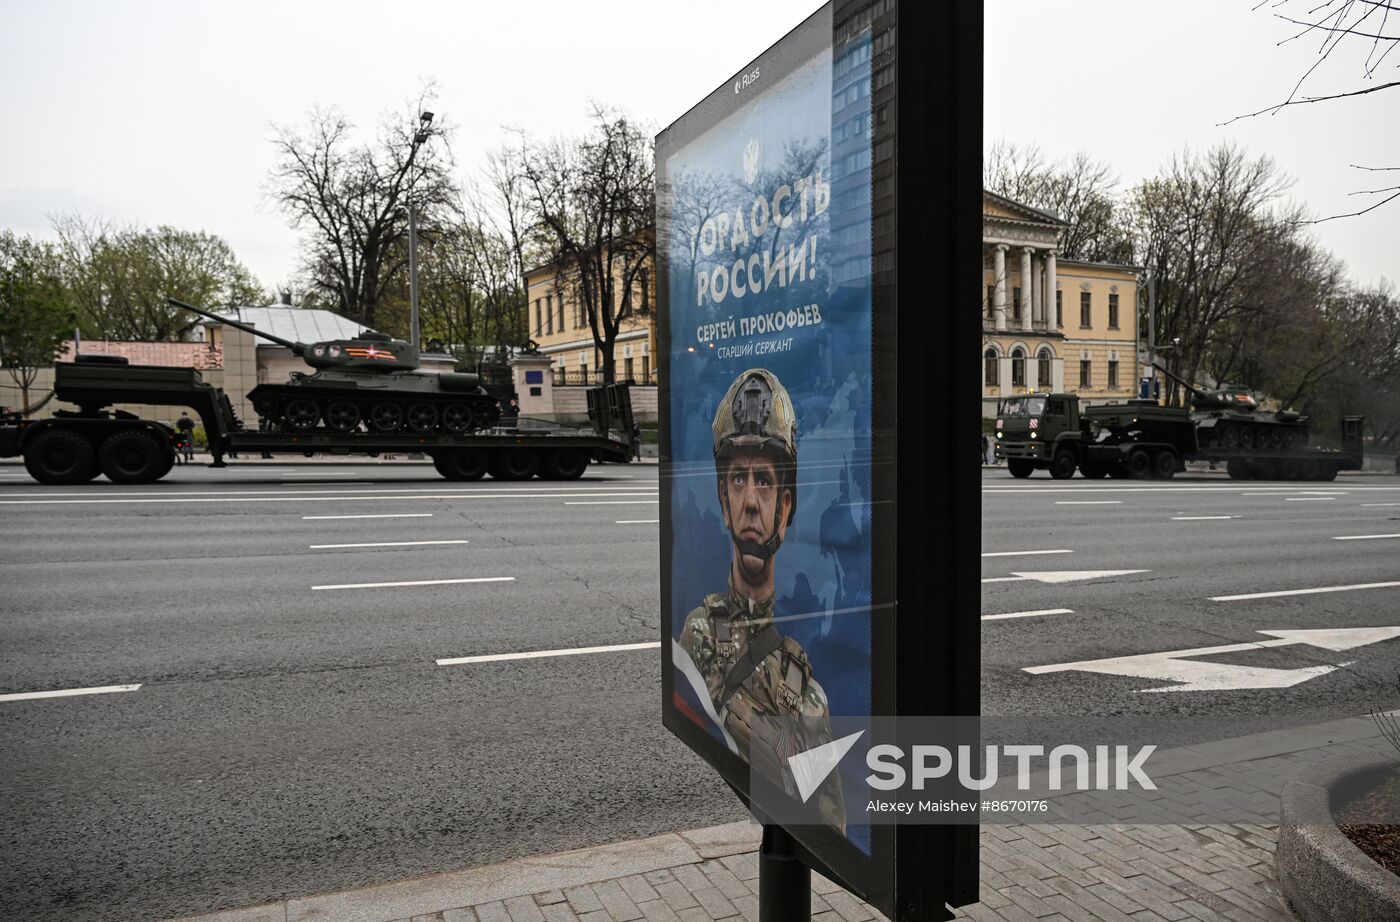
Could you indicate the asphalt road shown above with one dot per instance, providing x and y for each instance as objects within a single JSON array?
[{"x": 289, "y": 740}]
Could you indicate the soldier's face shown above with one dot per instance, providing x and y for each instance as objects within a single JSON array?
[{"x": 754, "y": 499}]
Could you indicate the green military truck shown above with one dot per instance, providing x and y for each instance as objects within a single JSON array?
[
  {"x": 1140, "y": 439},
  {"x": 75, "y": 446}
]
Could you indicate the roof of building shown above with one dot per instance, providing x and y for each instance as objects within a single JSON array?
[
  {"x": 299, "y": 324},
  {"x": 1027, "y": 211},
  {"x": 177, "y": 355}
]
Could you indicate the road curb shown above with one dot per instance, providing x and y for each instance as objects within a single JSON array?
[
  {"x": 520, "y": 877},
  {"x": 1322, "y": 872}
]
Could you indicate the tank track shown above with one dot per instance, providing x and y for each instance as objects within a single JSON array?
[
  {"x": 295, "y": 410},
  {"x": 1231, "y": 434}
]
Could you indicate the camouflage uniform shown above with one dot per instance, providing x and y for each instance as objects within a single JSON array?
[{"x": 773, "y": 678}]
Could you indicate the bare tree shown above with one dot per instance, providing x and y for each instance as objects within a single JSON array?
[
  {"x": 350, "y": 200},
  {"x": 1080, "y": 190},
  {"x": 593, "y": 199},
  {"x": 1365, "y": 26}
]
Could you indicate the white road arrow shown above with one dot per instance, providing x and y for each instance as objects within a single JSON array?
[
  {"x": 1175, "y": 666},
  {"x": 1060, "y": 576},
  {"x": 810, "y": 768}
]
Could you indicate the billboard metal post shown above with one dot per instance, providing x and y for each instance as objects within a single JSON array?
[{"x": 784, "y": 882}]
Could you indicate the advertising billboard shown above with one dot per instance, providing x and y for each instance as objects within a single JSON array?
[{"x": 776, "y": 248}]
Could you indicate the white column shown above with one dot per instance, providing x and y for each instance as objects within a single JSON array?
[
  {"x": 1026, "y": 289},
  {"x": 999, "y": 289},
  {"x": 1050, "y": 284}
]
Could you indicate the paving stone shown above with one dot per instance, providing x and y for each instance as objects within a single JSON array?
[
  {"x": 676, "y": 895},
  {"x": 550, "y": 897},
  {"x": 616, "y": 901},
  {"x": 459, "y": 915},
  {"x": 524, "y": 909},
  {"x": 493, "y": 912},
  {"x": 657, "y": 911},
  {"x": 638, "y": 890},
  {"x": 558, "y": 912},
  {"x": 583, "y": 899}
]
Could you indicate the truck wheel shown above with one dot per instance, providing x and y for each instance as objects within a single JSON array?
[
  {"x": 1164, "y": 465},
  {"x": 515, "y": 463},
  {"x": 1062, "y": 467},
  {"x": 60, "y": 456},
  {"x": 565, "y": 464},
  {"x": 1020, "y": 467},
  {"x": 462, "y": 464},
  {"x": 1139, "y": 464},
  {"x": 132, "y": 456}
]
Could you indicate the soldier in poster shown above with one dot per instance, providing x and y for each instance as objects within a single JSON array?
[{"x": 748, "y": 668}]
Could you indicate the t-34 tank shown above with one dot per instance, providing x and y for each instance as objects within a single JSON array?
[
  {"x": 371, "y": 381},
  {"x": 1229, "y": 417}
]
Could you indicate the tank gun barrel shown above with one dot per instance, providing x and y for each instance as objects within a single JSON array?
[
  {"x": 297, "y": 348},
  {"x": 1179, "y": 379}
]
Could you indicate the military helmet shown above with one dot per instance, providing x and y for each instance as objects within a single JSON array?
[{"x": 756, "y": 416}]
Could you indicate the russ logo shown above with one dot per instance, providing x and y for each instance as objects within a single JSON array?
[{"x": 742, "y": 83}]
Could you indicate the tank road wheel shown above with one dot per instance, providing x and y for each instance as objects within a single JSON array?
[
  {"x": 301, "y": 414},
  {"x": 1272, "y": 438},
  {"x": 60, "y": 456},
  {"x": 1062, "y": 467},
  {"x": 1164, "y": 465},
  {"x": 462, "y": 463},
  {"x": 1020, "y": 468},
  {"x": 515, "y": 463},
  {"x": 133, "y": 456},
  {"x": 342, "y": 416},
  {"x": 1293, "y": 439},
  {"x": 1139, "y": 464},
  {"x": 1229, "y": 437},
  {"x": 422, "y": 417},
  {"x": 1246, "y": 437},
  {"x": 457, "y": 418},
  {"x": 385, "y": 417},
  {"x": 267, "y": 407},
  {"x": 565, "y": 464}
]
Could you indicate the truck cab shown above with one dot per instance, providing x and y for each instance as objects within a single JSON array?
[{"x": 1030, "y": 429}]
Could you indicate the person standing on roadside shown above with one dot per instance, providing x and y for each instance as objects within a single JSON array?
[{"x": 185, "y": 426}]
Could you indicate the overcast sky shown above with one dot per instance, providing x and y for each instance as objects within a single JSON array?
[{"x": 159, "y": 112}]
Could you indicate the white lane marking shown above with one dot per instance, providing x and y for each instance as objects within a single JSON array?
[
  {"x": 1222, "y": 488},
  {"x": 619, "y": 502},
  {"x": 1023, "y": 553},
  {"x": 638, "y": 522},
  {"x": 1380, "y": 504},
  {"x": 365, "y": 485},
  {"x": 320, "y": 547},
  {"x": 1072, "y": 576},
  {"x": 1202, "y": 518},
  {"x": 69, "y": 692},
  {"x": 1004, "y": 579},
  {"x": 323, "y": 474},
  {"x": 1314, "y": 591},
  {"x": 1308, "y": 499},
  {"x": 1173, "y": 665},
  {"x": 445, "y": 487},
  {"x": 419, "y": 582},
  {"x": 1362, "y": 537},
  {"x": 1297, "y": 493},
  {"x": 315, "y": 498},
  {"x": 384, "y": 515},
  {"x": 1029, "y": 614},
  {"x": 543, "y": 654},
  {"x": 1088, "y": 502}
]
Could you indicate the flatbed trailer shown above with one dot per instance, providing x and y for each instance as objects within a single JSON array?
[
  {"x": 1141, "y": 439},
  {"x": 77, "y": 446}
]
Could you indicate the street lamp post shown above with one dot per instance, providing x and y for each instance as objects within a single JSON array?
[{"x": 425, "y": 121}]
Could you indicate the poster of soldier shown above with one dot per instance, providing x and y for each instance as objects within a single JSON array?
[{"x": 764, "y": 230}]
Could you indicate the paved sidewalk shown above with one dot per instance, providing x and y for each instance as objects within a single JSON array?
[{"x": 1051, "y": 873}]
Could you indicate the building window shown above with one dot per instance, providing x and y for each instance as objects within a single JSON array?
[
  {"x": 539, "y": 320},
  {"x": 549, "y": 313},
  {"x": 1059, "y": 308},
  {"x": 1113, "y": 312},
  {"x": 991, "y": 302},
  {"x": 1043, "y": 368},
  {"x": 646, "y": 369},
  {"x": 1018, "y": 367},
  {"x": 646, "y": 291},
  {"x": 990, "y": 368},
  {"x": 627, "y": 366},
  {"x": 1086, "y": 373},
  {"x": 561, "y": 314},
  {"x": 1016, "y": 300},
  {"x": 1086, "y": 315},
  {"x": 1112, "y": 374}
]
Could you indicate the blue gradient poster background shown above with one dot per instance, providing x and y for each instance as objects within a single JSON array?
[{"x": 768, "y": 257}]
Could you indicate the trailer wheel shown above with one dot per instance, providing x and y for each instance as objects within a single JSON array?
[
  {"x": 1239, "y": 470},
  {"x": 565, "y": 464},
  {"x": 515, "y": 463},
  {"x": 1020, "y": 467},
  {"x": 1063, "y": 464},
  {"x": 1093, "y": 470},
  {"x": 1290, "y": 469},
  {"x": 1139, "y": 464},
  {"x": 60, "y": 456},
  {"x": 132, "y": 456},
  {"x": 1164, "y": 465},
  {"x": 462, "y": 463},
  {"x": 1329, "y": 472}
]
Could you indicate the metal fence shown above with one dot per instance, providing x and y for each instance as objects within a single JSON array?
[{"x": 577, "y": 377}]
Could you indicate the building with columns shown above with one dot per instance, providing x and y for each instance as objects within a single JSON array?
[{"x": 1049, "y": 323}]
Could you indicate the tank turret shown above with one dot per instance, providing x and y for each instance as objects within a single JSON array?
[
  {"x": 1228, "y": 416},
  {"x": 372, "y": 381}
]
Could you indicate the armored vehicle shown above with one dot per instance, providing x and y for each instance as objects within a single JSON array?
[
  {"x": 1229, "y": 417},
  {"x": 371, "y": 381}
]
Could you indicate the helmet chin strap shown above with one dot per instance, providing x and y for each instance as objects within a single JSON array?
[{"x": 764, "y": 550}]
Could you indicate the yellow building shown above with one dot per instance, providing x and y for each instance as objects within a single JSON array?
[
  {"x": 1048, "y": 323},
  {"x": 559, "y": 325}
]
